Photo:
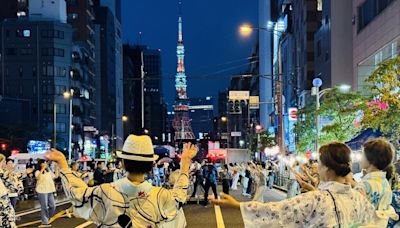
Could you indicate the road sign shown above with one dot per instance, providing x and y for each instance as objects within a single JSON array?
[
  {"x": 89, "y": 129},
  {"x": 239, "y": 95},
  {"x": 236, "y": 133},
  {"x": 317, "y": 82},
  {"x": 292, "y": 113},
  {"x": 254, "y": 102}
]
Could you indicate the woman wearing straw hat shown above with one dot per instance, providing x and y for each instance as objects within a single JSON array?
[{"x": 131, "y": 201}]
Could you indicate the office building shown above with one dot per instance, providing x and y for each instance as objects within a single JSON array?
[
  {"x": 143, "y": 100},
  {"x": 376, "y": 36},
  {"x": 333, "y": 44},
  {"x": 35, "y": 63},
  {"x": 202, "y": 113},
  {"x": 109, "y": 70}
]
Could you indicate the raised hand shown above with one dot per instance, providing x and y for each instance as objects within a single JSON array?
[
  {"x": 226, "y": 201},
  {"x": 58, "y": 157},
  {"x": 189, "y": 151}
]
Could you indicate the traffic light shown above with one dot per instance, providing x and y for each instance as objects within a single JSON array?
[
  {"x": 3, "y": 146},
  {"x": 237, "y": 107}
]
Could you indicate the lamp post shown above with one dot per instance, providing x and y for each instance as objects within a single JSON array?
[
  {"x": 124, "y": 119},
  {"x": 69, "y": 95},
  {"x": 317, "y": 83},
  {"x": 246, "y": 30},
  {"x": 224, "y": 119}
]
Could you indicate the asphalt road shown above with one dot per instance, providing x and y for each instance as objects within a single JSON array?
[{"x": 197, "y": 215}]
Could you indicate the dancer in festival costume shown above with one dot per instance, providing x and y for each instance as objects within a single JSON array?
[
  {"x": 7, "y": 213},
  {"x": 131, "y": 201},
  {"x": 334, "y": 204}
]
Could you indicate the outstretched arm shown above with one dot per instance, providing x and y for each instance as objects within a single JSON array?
[{"x": 101, "y": 204}]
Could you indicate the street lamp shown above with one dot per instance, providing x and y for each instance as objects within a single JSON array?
[
  {"x": 69, "y": 95},
  {"x": 317, "y": 83},
  {"x": 224, "y": 119},
  {"x": 146, "y": 131},
  {"x": 279, "y": 29}
]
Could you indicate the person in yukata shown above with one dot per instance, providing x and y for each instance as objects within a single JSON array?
[
  {"x": 131, "y": 201},
  {"x": 377, "y": 161},
  {"x": 334, "y": 204}
]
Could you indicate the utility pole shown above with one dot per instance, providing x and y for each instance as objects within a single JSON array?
[{"x": 281, "y": 138}]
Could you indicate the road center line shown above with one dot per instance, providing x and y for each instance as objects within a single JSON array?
[{"x": 218, "y": 216}]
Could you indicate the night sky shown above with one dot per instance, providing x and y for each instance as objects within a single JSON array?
[{"x": 213, "y": 48}]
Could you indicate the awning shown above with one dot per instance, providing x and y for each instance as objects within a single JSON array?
[{"x": 357, "y": 142}]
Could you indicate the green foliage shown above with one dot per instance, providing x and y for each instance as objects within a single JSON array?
[
  {"x": 266, "y": 140},
  {"x": 384, "y": 86},
  {"x": 340, "y": 108}
]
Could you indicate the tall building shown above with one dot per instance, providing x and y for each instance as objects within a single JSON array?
[
  {"x": 306, "y": 17},
  {"x": 35, "y": 63},
  {"x": 333, "y": 49},
  {"x": 202, "y": 113},
  {"x": 265, "y": 63},
  {"x": 143, "y": 99},
  {"x": 80, "y": 15},
  {"x": 182, "y": 122},
  {"x": 13, "y": 9},
  {"x": 109, "y": 78},
  {"x": 376, "y": 36}
]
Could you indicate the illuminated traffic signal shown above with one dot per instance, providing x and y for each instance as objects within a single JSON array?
[{"x": 3, "y": 146}]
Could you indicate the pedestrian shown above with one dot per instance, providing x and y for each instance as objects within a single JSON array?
[
  {"x": 250, "y": 177},
  {"x": 99, "y": 174},
  {"x": 119, "y": 171},
  {"x": 261, "y": 178},
  {"x": 198, "y": 173},
  {"x": 245, "y": 179},
  {"x": 293, "y": 186},
  {"x": 109, "y": 174},
  {"x": 235, "y": 177},
  {"x": 16, "y": 177},
  {"x": 45, "y": 189},
  {"x": 334, "y": 204},
  {"x": 156, "y": 175},
  {"x": 131, "y": 201},
  {"x": 226, "y": 177},
  {"x": 272, "y": 167},
  {"x": 377, "y": 161},
  {"x": 7, "y": 212},
  {"x": 210, "y": 175}
]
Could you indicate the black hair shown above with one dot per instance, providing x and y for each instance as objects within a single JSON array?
[
  {"x": 72, "y": 164},
  {"x": 337, "y": 157},
  {"x": 380, "y": 153},
  {"x": 40, "y": 162},
  {"x": 263, "y": 165},
  {"x": 137, "y": 167}
]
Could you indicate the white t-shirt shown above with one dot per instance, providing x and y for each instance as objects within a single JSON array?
[{"x": 45, "y": 182}]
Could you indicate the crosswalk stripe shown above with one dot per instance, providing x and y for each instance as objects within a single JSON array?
[{"x": 218, "y": 216}]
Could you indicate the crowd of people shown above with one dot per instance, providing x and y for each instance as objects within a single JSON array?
[{"x": 138, "y": 190}]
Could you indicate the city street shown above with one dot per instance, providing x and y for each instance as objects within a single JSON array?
[{"x": 197, "y": 216}]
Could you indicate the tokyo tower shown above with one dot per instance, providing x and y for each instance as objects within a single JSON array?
[{"x": 182, "y": 122}]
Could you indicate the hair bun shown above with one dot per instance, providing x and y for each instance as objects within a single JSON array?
[{"x": 342, "y": 170}]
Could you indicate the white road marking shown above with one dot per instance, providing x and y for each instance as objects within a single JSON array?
[
  {"x": 83, "y": 225},
  {"x": 37, "y": 210}
]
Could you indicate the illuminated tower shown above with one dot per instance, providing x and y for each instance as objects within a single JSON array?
[{"x": 182, "y": 122}]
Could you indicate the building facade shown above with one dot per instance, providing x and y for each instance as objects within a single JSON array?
[
  {"x": 109, "y": 70},
  {"x": 376, "y": 36},
  {"x": 333, "y": 44},
  {"x": 143, "y": 99},
  {"x": 202, "y": 112},
  {"x": 35, "y": 63}
]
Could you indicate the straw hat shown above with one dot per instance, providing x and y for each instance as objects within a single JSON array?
[{"x": 138, "y": 148}]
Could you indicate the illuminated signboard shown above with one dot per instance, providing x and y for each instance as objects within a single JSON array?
[{"x": 38, "y": 147}]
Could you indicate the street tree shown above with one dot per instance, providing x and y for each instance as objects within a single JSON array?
[
  {"x": 382, "y": 112},
  {"x": 338, "y": 114}
]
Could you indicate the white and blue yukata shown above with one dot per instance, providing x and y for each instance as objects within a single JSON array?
[
  {"x": 7, "y": 213},
  {"x": 378, "y": 191},
  {"x": 333, "y": 205}
]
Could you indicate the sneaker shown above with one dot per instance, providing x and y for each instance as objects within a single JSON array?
[{"x": 44, "y": 225}]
